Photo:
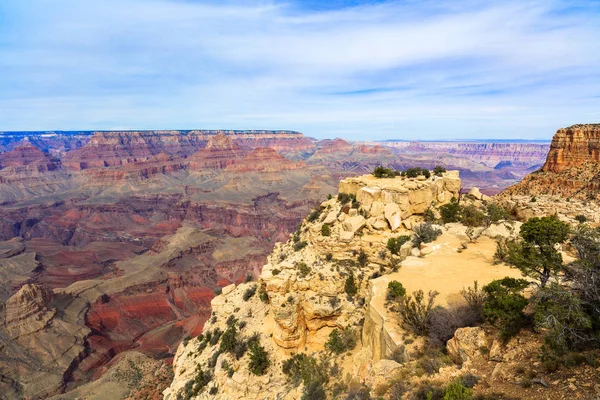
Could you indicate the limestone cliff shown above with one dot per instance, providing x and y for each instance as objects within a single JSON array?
[{"x": 572, "y": 168}]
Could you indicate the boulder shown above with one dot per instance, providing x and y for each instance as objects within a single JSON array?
[
  {"x": 380, "y": 224},
  {"x": 392, "y": 215},
  {"x": 475, "y": 193},
  {"x": 346, "y": 237},
  {"x": 330, "y": 218},
  {"x": 367, "y": 196},
  {"x": 376, "y": 209},
  {"x": 353, "y": 212},
  {"x": 354, "y": 224},
  {"x": 466, "y": 344}
]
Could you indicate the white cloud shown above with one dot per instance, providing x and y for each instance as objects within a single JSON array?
[{"x": 410, "y": 69}]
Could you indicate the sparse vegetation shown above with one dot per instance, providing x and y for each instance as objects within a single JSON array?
[
  {"x": 303, "y": 269},
  {"x": 259, "y": 359},
  {"x": 581, "y": 218},
  {"x": 439, "y": 170},
  {"x": 350, "y": 285},
  {"x": 300, "y": 245},
  {"x": 383, "y": 172},
  {"x": 416, "y": 171},
  {"x": 416, "y": 311},
  {"x": 325, "y": 230},
  {"x": 395, "y": 291},
  {"x": 450, "y": 212},
  {"x": 395, "y": 244},
  {"x": 249, "y": 293},
  {"x": 363, "y": 258},
  {"x": 341, "y": 341},
  {"x": 425, "y": 233}
]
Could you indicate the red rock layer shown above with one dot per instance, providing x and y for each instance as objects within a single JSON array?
[
  {"x": 264, "y": 160},
  {"x": 574, "y": 146}
]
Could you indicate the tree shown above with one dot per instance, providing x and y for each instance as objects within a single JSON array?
[
  {"x": 450, "y": 212},
  {"x": 534, "y": 253},
  {"x": 504, "y": 304},
  {"x": 259, "y": 359},
  {"x": 439, "y": 170},
  {"x": 395, "y": 291}
]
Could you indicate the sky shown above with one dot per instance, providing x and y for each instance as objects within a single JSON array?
[{"x": 356, "y": 69}]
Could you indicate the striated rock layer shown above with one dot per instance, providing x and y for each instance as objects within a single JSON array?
[{"x": 571, "y": 170}]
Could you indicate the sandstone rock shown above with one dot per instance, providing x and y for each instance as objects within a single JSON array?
[
  {"x": 353, "y": 212},
  {"x": 475, "y": 193},
  {"x": 415, "y": 252},
  {"x": 367, "y": 196},
  {"x": 330, "y": 218},
  {"x": 354, "y": 224},
  {"x": 228, "y": 289},
  {"x": 377, "y": 374},
  {"x": 30, "y": 300},
  {"x": 376, "y": 209},
  {"x": 380, "y": 224},
  {"x": 392, "y": 215},
  {"x": 496, "y": 351},
  {"x": 346, "y": 237},
  {"x": 466, "y": 343}
]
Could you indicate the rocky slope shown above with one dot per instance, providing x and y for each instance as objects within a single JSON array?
[{"x": 572, "y": 168}]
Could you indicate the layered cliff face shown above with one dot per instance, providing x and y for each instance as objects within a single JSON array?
[
  {"x": 572, "y": 168},
  {"x": 572, "y": 147},
  {"x": 303, "y": 295}
]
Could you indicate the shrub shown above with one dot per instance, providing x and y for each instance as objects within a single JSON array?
[
  {"x": 450, "y": 212},
  {"x": 416, "y": 171},
  {"x": 300, "y": 245},
  {"x": 218, "y": 291},
  {"x": 416, "y": 312},
  {"x": 496, "y": 212},
  {"x": 533, "y": 199},
  {"x": 213, "y": 390},
  {"x": 201, "y": 379},
  {"x": 228, "y": 340},
  {"x": 456, "y": 391},
  {"x": 444, "y": 322},
  {"x": 363, "y": 259},
  {"x": 395, "y": 244},
  {"x": 249, "y": 278},
  {"x": 303, "y": 269},
  {"x": 341, "y": 341},
  {"x": 240, "y": 349},
  {"x": 304, "y": 368},
  {"x": 350, "y": 285},
  {"x": 425, "y": 233},
  {"x": 259, "y": 359},
  {"x": 328, "y": 257},
  {"x": 263, "y": 296},
  {"x": 315, "y": 214},
  {"x": 325, "y": 230},
  {"x": 439, "y": 170},
  {"x": 249, "y": 293},
  {"x": 382, "y": 172},
  {"x": 314, "y": 391},
  {"x": 395, "y": 291},
  {"x": 475, "y": 298},
  {"x": 560, "y": 312},
  {"x": 216, "y": 335},
  {"x": 345, "y": 198},
  {"x": 471, "y": 216},
  {"x": 580, "y": 218},
  {"x": 428, "y": 215},
  {"x": 504, "y": 305},
  {"x": 329, "y": 196},
  {"x": 275, "y": 271}
]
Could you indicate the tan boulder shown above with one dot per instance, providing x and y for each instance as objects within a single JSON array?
[
  {"x": 376, "y": 209},
  {"x": 392, "y": 215},
  {"x": 354, "y": 223},
  {"x": 330, "y": 218},
  {"x": 466, "y": 344},
  {"x": 367, "y": 196},
  {"x": 475, "y": 193},
  {"x": 346, "y": 237}
]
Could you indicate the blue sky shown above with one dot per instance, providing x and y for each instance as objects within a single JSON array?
[{"x": 439, "y": 69}]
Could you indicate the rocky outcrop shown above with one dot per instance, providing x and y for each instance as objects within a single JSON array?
[
  {"x": 573, "y": 146},
  {"x": 572, "y": 168}
]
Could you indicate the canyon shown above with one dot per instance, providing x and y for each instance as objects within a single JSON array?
[{"x": 114, "y": 243}]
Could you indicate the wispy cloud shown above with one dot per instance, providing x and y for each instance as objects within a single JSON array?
[{"x": 398, "y": 69}]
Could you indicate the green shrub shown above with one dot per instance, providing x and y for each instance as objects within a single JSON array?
[
  {"x": 580, "y": 218},
  {"x": 450, "y": 212},
  {"x": 428, "y": 215},
  {"x": 329, "y": 257},
  {"x": 425, "y": 233},
  {"x": 416, "y": 171},
  {"x": 264, "y": 297},
  {"x": 504, "y": 305},
  {"x": 315, "y": 214},
  {"x": 275, "y": 271},
  {"x": 303, "y": 269},
  {"x": 345, "y": 198},
  {"x": 249, "y": 278},
  {"x": 363, "y": 259},
  {"x": 216, "y": 335},
  {"x": 471, "y": 216},
  {"x": 300, "y": 245},
  {"x": 416, "y": 312},
  {"x": 201, "y": 379},
  {"x": 395, "y": 244},
  {"x": 304, "y": 368},
  {"x": 249, "y": 293},
  {"x": 395, "y": 291},
  {"x": 496, "y": 212},
  {"x": 382, "y": 172},
  {"x": 259, "y": 359},
  {"x": 456, "y": 391},
  {"x": 228, "y": 340},
  {"x": 475, "y": 298},
  {"x": 439, "y": 170},
  {"x": 350, "y": 285},
  {"x": 218, "y": 291},
  {"x": 325, "y": 230},
  {"x": 341, "y": 341}
]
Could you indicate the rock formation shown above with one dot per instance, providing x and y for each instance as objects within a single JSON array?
[{"x": 572, "y": 168}]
